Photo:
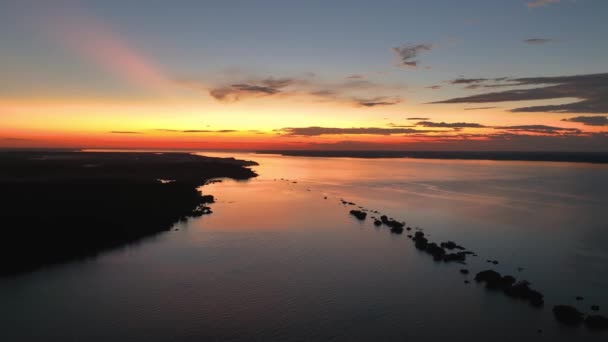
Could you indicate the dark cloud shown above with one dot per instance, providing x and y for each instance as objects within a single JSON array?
[
  {"x": 418, "y": 118},
  {"x": 589, "y": 120},
  {"x": 235, "y": 91},
  {"x": 467, "y": 80},
  {"x": 124, "y": 132},
  {"x": 377, "y": 101},
  {"x": 316, "y": 131},
  {"x": 591, "y": 89},
  {"x": 324, "y": 93},
  {"x": 409, "y": 52},
  {"x": 264, "y": 87},
  {"x": 346, "y": 91},
  {"x": 476, "y": 83},
  {"x": 275, "y": 83},
  {"x": 540, "y": 3},
  {"x": 449, "y": 125},
  {"x": 539, "y": 129},
  {"x": 537, "y": 41},
  {"x": 543, "y": 129}
]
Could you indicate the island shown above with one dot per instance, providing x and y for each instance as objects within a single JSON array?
[{"x": 63, "y": 206}]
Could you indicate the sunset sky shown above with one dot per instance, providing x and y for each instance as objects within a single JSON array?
[{"x": 396, "y": 75}]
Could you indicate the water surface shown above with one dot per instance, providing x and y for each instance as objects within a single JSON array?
[{"x": 277, "y": 261}]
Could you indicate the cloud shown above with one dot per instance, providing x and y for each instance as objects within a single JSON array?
[
  {"x": 236, "y": 91},
  {"x": 542, "y": 129},
  {"x": 540, "y": 3},
  {"x": 537, "y": 41},
  {"x": 354, "y": 90},
  {"x": 434, "y": 87},
  {"x": 408, "y": 53},
  {"x": 376, "y": 101},
  {"x": 124, "y": 132},
  {"x": 316, "y": 131},
  {"x": 589, "y": 120},
  {"x": 467, "y": 80},
  {"x": 592, "y": 90},
  {"x": 418, "y": 118},
  {"x": 449, "y": 125},
  {"x": 539, "y": 129}
]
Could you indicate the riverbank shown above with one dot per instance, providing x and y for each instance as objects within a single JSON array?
[{"x": 63, "y": 206}]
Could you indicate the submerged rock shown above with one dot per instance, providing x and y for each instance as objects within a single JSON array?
[
  {"x": 360, "y": 215},
  {"x": 492, "y": 278},
  {"x": 451, "y": 245},
  {"x": 459, "y": 256},
  {"x": 596, "y": 322},
  {"x": 396, "y": 230},
  {"x": 567, "y": 314},
  {"x": 437, "y": 252},
  {"x": 522, "y": 290}
]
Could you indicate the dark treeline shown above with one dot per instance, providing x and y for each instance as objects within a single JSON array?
[
  {"x": 56, "y": 207},
  {"x": 577, "y": 157}
]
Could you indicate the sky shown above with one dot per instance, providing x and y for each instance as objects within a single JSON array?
[{"x": 513, "y": 75}]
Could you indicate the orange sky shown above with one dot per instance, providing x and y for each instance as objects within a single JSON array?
[{"x": 117, "y": 95}]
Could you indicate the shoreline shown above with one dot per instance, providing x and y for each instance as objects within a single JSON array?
[
  {"x": 63, "y": 206},
  {"x": 571, "y": 157}
]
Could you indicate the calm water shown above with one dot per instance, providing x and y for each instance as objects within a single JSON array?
[{"x": 277, "y": 261}]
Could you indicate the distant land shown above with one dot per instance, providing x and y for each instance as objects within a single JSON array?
[
  {"x": 574, "y": 157},
  {"x": 61, "y": 206}
]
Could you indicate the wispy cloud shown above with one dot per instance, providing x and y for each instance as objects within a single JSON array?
[
  {"x": 467, "y": 80},
  {"x": 539, "y": 129},
  {"x": 449, "y": 125},
  {"x": 589, "y": 120},
  {"x": 377, "y": 101},
  {"x": 124, "y": 132},
  {"x": 316, "y": 131},
  {"x": 408, "y": 53},
  {"x": 540, "y": 3},
  {"x": 354, "y": 90},
  {"x": 234, "y": 92},
  {"x": 591, "y": 89},
  {"x": 537, "y": 41},
  {"x": 417, "y": 118}
]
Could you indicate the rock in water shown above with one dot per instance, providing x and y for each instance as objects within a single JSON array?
[
  {"x": 567, "y": 314},
  {"x": 360, "y": 215},
  {"x": 596, "y": 322}
]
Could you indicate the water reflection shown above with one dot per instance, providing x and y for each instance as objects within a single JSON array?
[{"x": 278, "y": 261}]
